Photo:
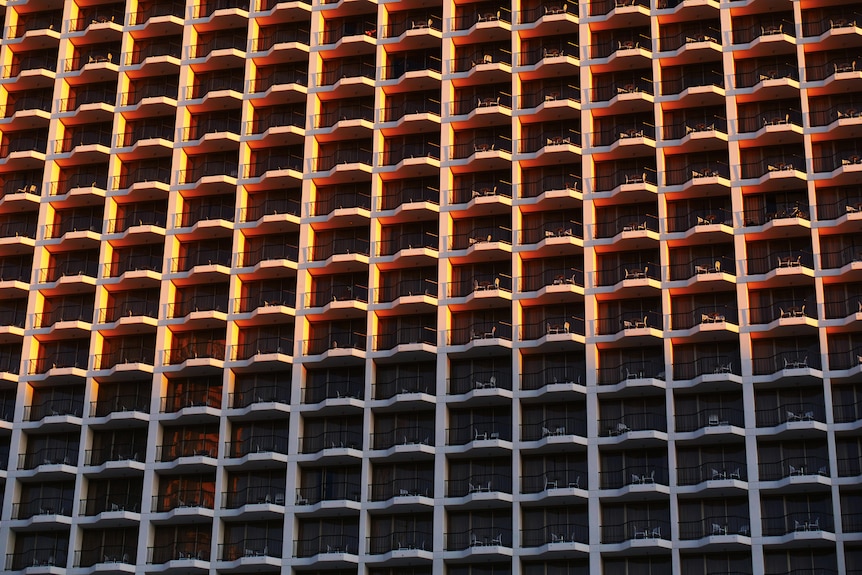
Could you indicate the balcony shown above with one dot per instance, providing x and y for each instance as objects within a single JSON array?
[
  {"x": 348, "y": 69},
  {"x": 331, "y": 158},
  {"x": 401, "y": 487},
  {"x": 109, "y": 554},
  {"x": 90, "y": 181},
  {"x": 547, "y": 9},
  {"x": 400, "y": 541},
  {"x": 709, "y": 418},
  {"x": 356, "y": 246},
  {"x": 48, "y": 456},
  {"x": 205, "y": 447},
  {"x": 721, "y": 365},
  {"x": 258, "y": 547},
  {"x": 75, "y": 359},
  {"x": 481, "y": 431},
  {"x": 191, "y": 551},
  {"x": 411, "y": 335},
  {"x": 65, "y": 312},
  {"x": 202, "y": 257},
  {"x": 703, "y": 266},
  {"x": 700, "y": 217},
  {"x": 788, "y": 413},
  {"x": 605, "y": 7},
  {"x": 698, "y": 172},
  {"x": 478, "y": 380},
  {"x": 791, "y": 260},
  {"x": 256, "y": 444},
  {"x": 121, "y": 452},
  {"x": 254, "y": 495},
  {"x": 554, "y": 534},
  {"x": 335, "y": 439},
  {"x": 344, "y": 490},
  {"x": 259, "y": 394},
  {"x": 53, "y": 558},
  {"x": 133, "y": 262},
  {"x": 786, "y": 360},
  {"x": 212, "y": 349},
  {"x": 491, "y": 56},
  {"x": 810, "y": 467},
  {"x": 646, "y": 529},
  {"x": 628, "y": 272},
  {"x": 622, "y": 133},
  {"x": 566, "y": 376},
  {"x": 555, "y": 427},
  {"x": 417, "y": 435},
  {"x": 799, "y": 522},
  {"x": 111, "y": 503},
  {"x": 263, "y": 346},
  {"x": 631, "y": 370},
  {"x": 120, "y": 403},
  {"x": 70, "y": 406},
  {"x": 479, "y": 332},
  {"x": 845, "y": 359},
  {"x": 42, "y": 506},
  {"x": 143, "y": 176},
  {"x": 765, "y": 73},
  {"x": 626, "y": 89},
  {"x": 631, "y": 422},
  {"x": 566, "y": 326},
  {"x": 551, "y": 277},
  {"x": 637, "y": 176},
  {"x": 844, "y": 160},
  {"x": 286, "y": 75},
  {"x": 633, "y": 320},
  {"x": 478, "y": 537},
  {"x": 338, "y": 543},
  {"x": 718, "y": 470},
  {"x": 714, "y": 526}
]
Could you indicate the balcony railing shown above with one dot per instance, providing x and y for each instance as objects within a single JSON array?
[
  {"x": 204, "y": 447},
  {"x": 699, "y": 217},
  {"x": 352, "y": 155},
  {"x": 397, "y": 66},
  {"x": 208, "y": 169},
  {"x": 212, "y": 349},
  {"x": 728, "y": 469},
  {"x": 550, "y": 137},
  {"x": 403, "y": 385},
  {"x": 205, "y": 397},
  {"x": 413, "y": 21},
  {"x": 411, "y": 106},
  {"x": 64, "y": 312},
  {"x": 54, "y": 407},
  {"x": 646, "y": 369},
  {"x": 782, "y": 309},
  {"x": 258, "y": 547},
  {"x": 646, "y": 528},
  {"x": 697, "y": 170},
  {"x": 710, "y": 417},
  {"x": 120, "y": 403},
  {"x": 798, "y": 359},
  {"x": 405, "y": 336},
  {"x": 200, "y": 302},
  {"x": 116, "y": 452},
  {"x": 400, "y": 540},
  {"x": 406, "y": 288},
  {"x": 338, "y": 543},
  {"x": 479, "y": 331},
  {"x": 133, "y": 262},
  {"x": 478, "y": 13},
  {"x": 641, "y": 319},
  {"x": 483, "y": 189},
  {"x": 626, "y": 176},
  {"x": 49, "y": 456},
  {"x": 549, "y": 49},
  {"x": 339, "y": 246},
  {"x": 271, "y": 252},
  {"x": 154, "y": 50},
  {"x": 257, "y": 494},
  {"x": 717, "y": 365},
  {"x": 214, "y": 84},
  {"x": 260, "y": 394},
  {"x": 766, "y": 72},
  {"x": 553, "y": 427},
  {"x": 774, "y": 117},
  {"x": 645, "y": 421},
  {"x": 794, "y": 467},
  {"x": 791, "y": 259},
  {"x": 480, "y": 235},
  {"x": 271, "y": 38},
  {"x": 565, "y": 325},
  {"x": 220, "y": 41},
  {"x": 702, "y": 265},
  {"x": 143, "y": 175},
  {"x": 59, "y": 360},
  {"x": 798, "y": 522},
  {"x": 340, "y": 70},
  {"x": 408, "y": 151},
  {"x": 480, "y": 431},
  {"x": 401, "y": 487},
  {"x": 110, "y": 503},
  {"x": 416, "y": 435},
  {"x": 490, "y": 379},
  {"x": 482, "y": 56},
  {"x": 491, "y": 143},
  {"x": 790, "y": 413},
  {"x": 715, "y": 525},
  {"x": 256, "y": 444},
  {"x": 559, "y": 478},
  {"x": 202, "y": 257},
  {"x": 843, "y": 159},
  {"x": 548, "y": 8},
  {"x": 622, "y": 87},
  {"x": 478, "y": 537},
  {"x": 182, "y": 551},
  {"x": 42, "y": 506},
  {"x": 553, "y": 375},
  {"x": 263, "y": 345},
  {"x": 165, "y": 88},
  {"x": 550, "y": 93},
  {"x": 106, "y": 554},
  {"x": 601, "y": 7},
  {"x": 281, "y": 77},
  {"x": 209, "y": 7},
  {"x": 344, "y": 490},
  {"x": 555, "y": 533},
  {"x": 125, "y": 355},
  {"x": 335, "y": 439},
  {"x": 36, "y": 557}
]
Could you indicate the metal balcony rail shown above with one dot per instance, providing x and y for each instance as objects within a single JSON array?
[
  {"x": 22, "y": 183},
  {"x": 409, "y": 106},
  {"x": 271, "y": 38},
  {"x": 399, "y": 541},
  {"x": 626, "y": 223},
  {"x": 42, "y": 506},
  {"x": 202, "y": 257},
  {"x": 339, "y": 246},
  {"x": 133, "y": 262},
  {"x": 700, "y": 217},
  {"x": 413, "y": 20},
  {"x": 550, "y": 92},
  {"x": 715, "y": 525},
  {"x": 813, "y": 520},
  {"x": 479, "y": 13},
  {"x": 341, "y": 199},
  {"x": 695, "y": 123},
  {"x": 10, "y": 362},
  {"x": 340, "y": 70},
  {"x": 270, "y": 207},
  {"x": 212, "y": 126},
  {"x": 407, "y": 241},
  {"x": 38, "y": 21},
  {"x": 68, "y": 268},
  {"x": 269, "y": 252},
  {"x": 232, "y": 83},
  {"x": 480, "y": 56},
  {"x": 403, "y": 384},
  {"x": 480, "y": 144},
  {"x": 286, "y": 298},
  {"x": 848, "y": 111},
  {"x": 348, "y": 28},
  {"x": 341, "y": 543},
  {"x": 646, "y": 528},
  {"x": 322, "y": 297},
  {"x": 555, "y": 533},
  {"x": 342, "y": 156},
  {"x": 165, "y": 88},
  {"x": 645, "y": 175},
  {"x": 208, "y": 169},
  {"x": 259, "y": 394},
  {"x": 343, "y": 112},
  {"x": 797, "y": 359},
  {"x": 58, "y": 360},
  {"x": 257, "y": 547},
  {"x": 106, "y": 554},
  {"x": 112, "y": 502},
  {"x": 280, "y": 77},
  {"x": 843, "y": 308},
  {"x": 13, "y": 317},
  {"x": 639, "y": 319},
  {"x": 54, "y": 407},
  {"x": 37, "y": 101},
  {"x": 14, "y": 143},
  {"x": 766, "y": 72},
  {"x": 790, "y": 413},
  {"x": 782, "y": 309},
  {"x": 256, "y": 444},
  {"x": 220, "y": 41},
  {"x": 154, "y": 50},
  {"x": 601, "y": 7},
  {"x": 205, "y": 213},
  {"x": 562, "y": 137},
  {"x": 620, "y": 87},
  {"x": 276, "y": 117},
  {"x": 554, "y": 427},
  {"x": 156, "y": 10},
  {"x": 532, "y": 188},
  {"x": 479, "y": 331},
  {"x": 622, "y": 131},
  {"x": 695, "y": 170},
  {"x": 157, "y": 218},
  {"x": 779, "y": 211},
  {"x": 794, "y": 467},
  {"x": 161, "y": 174},
  {"x": 97, "y": 54},
  {"x": 401, "y": 487},
  {"x": 846, "y": 359},
  {"x": 692, "y": 79},
  {"x": 409, "y": 194},
  {"x": 480, "y": 282},
  {"x": 717, "y": 365},
  {"x": 123, "y": 356},
  {"x": 415, "y": 435},
  {"x": 182, "y": 551},
  {"x": 779, "y": 116},
  {"x": 36, "y": 557},
  {"x": 405, "y": 336},
  {"x": 480, "y": 235},
  {"x": 709, "y": 417},
  {"x": 336, "y": 388},
  {"x": 333, "y": 439},
  {"x": 849, "y": 466},
  {"x": 851, "y": 203},
  {"x": 701, "y": 265},
  {"x": 566, "y": 325},
  {"x": 551, "y": 48},
  {"x": 262, "y": 345},
  {"x": 274, "y": 160},
  {"x": 209, "y": 7},
  {"x": 644, "y": 421},
  {"x": 704, "y": 315},
  {"x": 486, "y": 188},
  {"x": 82, "y": 179},
  {"x": 120, "y": 403},
  {"x": 409, "y": 150},
  {"x": 690, "y": 35},
  {"x": 767, "y": 26},
  {"x": 115, "y": 452},
  {"x": 554, "y": 375},
  {"x": 488, "y": 379},
  {"x": 480, "y": 430},
  {"x": 105, "y": 14},
  {"x": 846, "y": 158},
  {"x": 334, "y": 341},
  {"x": 49, "y": 456},
  {"x": 548, "y": 8},
  {"x": 203, "y": 447},
  {"x": 479, "y": 483},
  {"x": 558, "y": 478},
  {"x": 629, "y": 370},
  {"x": 272, "y": 494},
  {"x": 27, "y": 62},
  {"x": 618, "y": 44},
  {"x": 344, "y": 490},
  {"x": 68, "y": 224},
  {"x": 494, "y": 536},
  {"x": 64, "y": 312},
  {"x": 837, "y": 17},
  {"x": 780, "y": 259},
  {"x": 212, "y": 349}
]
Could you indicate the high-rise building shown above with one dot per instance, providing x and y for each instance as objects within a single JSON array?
[{"x": 429, "y": 287}]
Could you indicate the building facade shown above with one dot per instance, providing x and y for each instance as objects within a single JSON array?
[{"x": 413, "y": 287}]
